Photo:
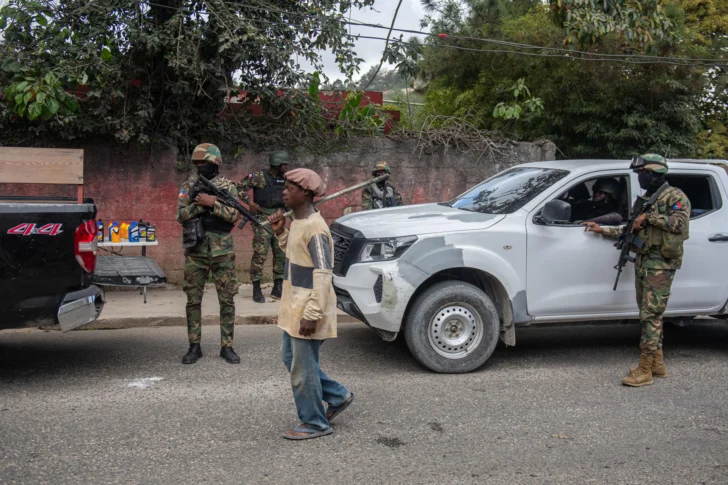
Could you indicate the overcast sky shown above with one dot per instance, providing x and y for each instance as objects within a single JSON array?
[{"x": 408, "y": 17}]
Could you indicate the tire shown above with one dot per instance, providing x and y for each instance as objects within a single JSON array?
[{"x": 469, "y": 340}]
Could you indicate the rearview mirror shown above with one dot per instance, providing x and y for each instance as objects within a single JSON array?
[{"x": 556, "y": 212}]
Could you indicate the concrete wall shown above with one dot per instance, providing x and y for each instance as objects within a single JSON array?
[{"x": 136, "y": 183}]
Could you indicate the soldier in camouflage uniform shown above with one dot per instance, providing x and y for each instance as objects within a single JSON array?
[
  {"x": 212, "y": 254},
  {"x": 382, "y": 194},
  {"x": 664, "y": 227},
  {"x": 267, "y": 186}
]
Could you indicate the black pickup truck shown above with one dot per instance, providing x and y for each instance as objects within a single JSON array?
[{"x": 47, "y": 260}]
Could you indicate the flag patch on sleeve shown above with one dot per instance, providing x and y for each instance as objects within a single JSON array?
[
  {"x": 182, "y": 193},
  {"x": 250, "y": 175},
  {"x": 677, "y": 206}
]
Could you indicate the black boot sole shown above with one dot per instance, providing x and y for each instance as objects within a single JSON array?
[
  {"x": 230, "y": 361},
  {"x": 192, "y": 361}
]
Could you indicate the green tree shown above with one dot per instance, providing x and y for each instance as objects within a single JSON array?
[
  {"x": 591, "y": 108},
  {"x": 162, "y": 70}
]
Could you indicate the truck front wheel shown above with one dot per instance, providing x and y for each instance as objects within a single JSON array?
[{"x": 452, "y": 327}]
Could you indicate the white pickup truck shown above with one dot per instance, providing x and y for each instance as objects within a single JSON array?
[{"x": 456, "y": 276}]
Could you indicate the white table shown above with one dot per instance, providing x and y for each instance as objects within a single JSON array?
[{"x": 127, "y": 244}]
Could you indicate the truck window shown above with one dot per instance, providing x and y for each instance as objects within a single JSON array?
[
  {"x": 701, "y": 190},
  {"x": 610, "y": 208},
  {"x": 508, "y": 191}
]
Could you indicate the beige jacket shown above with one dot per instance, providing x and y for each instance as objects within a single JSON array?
[{"x": 308, "y": 291}]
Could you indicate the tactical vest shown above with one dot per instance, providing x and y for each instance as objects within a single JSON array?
[
  {"x": 383, "y": 198},
  {"x": 271, "y": 197},
  {"x": 668, "y": 244}
]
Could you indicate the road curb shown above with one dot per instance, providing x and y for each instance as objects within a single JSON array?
[{"x": 174, "y": 321}]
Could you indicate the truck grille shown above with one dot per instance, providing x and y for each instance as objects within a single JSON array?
[{"x": 342, "y": 244}]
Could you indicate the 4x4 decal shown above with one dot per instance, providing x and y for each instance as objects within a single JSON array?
[{"x": 30, "y": 228}]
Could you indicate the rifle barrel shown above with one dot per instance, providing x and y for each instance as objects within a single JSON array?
[{"x": 337, "y": 194}]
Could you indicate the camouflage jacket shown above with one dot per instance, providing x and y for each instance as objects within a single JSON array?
[
  {"x": 372, "y": 197},
  {"x": 218, "y": 244},
  {"x": 669, "y": 215}
]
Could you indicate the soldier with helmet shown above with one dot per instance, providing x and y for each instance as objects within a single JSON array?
[
  {"x": 212, "y": 252},
  {"x": 605, "y": 203},
  {"x": 267, "y": 186},
  {"x": 664, "y": 227},
  {"x": 381, "y": 194}
]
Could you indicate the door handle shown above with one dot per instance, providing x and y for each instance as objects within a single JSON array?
[{"x": 718, "y": 238}]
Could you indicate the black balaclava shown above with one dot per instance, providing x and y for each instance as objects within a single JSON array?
[
  {"x": 208, "y": 170},
  {"x": 651, "y": 181}
]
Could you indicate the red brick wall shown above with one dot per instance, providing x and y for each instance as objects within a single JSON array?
[{"x": 129, "y": 183}]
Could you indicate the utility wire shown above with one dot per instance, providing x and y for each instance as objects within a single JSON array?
[{"x": 568, "y": 54}]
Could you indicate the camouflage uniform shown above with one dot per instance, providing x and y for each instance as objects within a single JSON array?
[
  {"x": 654, "y": 272},
  {"x": 262, "y": 240},
  {"x": 213, "y": 255},
  {"x": 375, "y": 196},
  {"x": 666, "y": 228}
]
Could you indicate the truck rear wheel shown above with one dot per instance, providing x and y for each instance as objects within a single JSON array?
[{"x": 452, "y": 328}]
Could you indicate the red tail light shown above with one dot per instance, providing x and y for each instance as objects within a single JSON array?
[{"x": 85, "y": 244}]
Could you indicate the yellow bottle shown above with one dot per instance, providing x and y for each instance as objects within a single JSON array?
[
  {"x": 115, "y": 233},
  {"x": 124, "y": 231}
]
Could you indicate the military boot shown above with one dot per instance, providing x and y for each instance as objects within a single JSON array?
[
  {"x": 193, "y": 354},
  {"x": 257, "y": 294},
  {"x": 658, "y": 366},
  {"x": 277, "y": 289},
  {"x": 229, "y": 355},
  {"x": 642, "y": 375}
]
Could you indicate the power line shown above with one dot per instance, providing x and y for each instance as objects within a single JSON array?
[
  {"x": 477, "y": 39},
  {"x": 568, "y": 54}
]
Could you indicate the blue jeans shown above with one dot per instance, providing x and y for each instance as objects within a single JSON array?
[{"x": 311, "y": 386}]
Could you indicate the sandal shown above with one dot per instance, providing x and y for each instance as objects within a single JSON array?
[
  {"x": 310, "y": 433},
  {"x": 332, "y": 413}
]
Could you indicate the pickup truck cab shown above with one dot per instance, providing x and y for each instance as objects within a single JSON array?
[{"x": 456, "y": 276}]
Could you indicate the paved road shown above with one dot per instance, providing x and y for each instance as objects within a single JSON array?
[{"x": 115, "y": 406}]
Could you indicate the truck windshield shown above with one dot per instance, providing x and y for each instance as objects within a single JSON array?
[{"x": 508, "y": 191}]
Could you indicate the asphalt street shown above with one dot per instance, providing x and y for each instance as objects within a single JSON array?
[{"x": 117, "y": 406}]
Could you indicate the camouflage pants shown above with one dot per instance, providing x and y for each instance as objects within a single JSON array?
[
  {"x": 262, "y": 240},
  {"x": 222, "y": 268},
  {"x": 653, "y": 291}
]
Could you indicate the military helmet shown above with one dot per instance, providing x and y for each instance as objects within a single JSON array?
[
  {"x": 207, "y": 152},
  {"x": 381, "y": 166},
  {"x": 608, "y": 186},
  {"x": 278, "y": 158},
  {"x": 650, "y": 162}
]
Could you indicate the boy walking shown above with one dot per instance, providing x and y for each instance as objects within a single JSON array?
[{"x": 307, "y": 313}]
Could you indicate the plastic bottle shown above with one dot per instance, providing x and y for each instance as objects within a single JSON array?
[
  {"x": 124, "y": 230},
  {"x": 142, "y": 230},
  {"x": 114, "y": 232},
  {"x": 151, "y": 233},
  {"x": 133, "y": 232},
  {"x": 100, "y": 235}
]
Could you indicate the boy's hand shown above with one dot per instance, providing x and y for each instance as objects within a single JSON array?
[
  {"x": 308, "y": 328},
  {"x": 277, "y": 223}
]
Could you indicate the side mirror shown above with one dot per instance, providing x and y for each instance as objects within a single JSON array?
[{"x": 556, "y": 212}]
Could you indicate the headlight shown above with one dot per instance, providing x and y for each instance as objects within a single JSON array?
[{"x": 385, "y": 249}]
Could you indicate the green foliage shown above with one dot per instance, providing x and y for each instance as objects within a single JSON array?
[
  {"x": 359, "y": 119},
  {"x": 585, "y": 22},
  {"x": 531, "y": 105},
  {"x": 713, "y": 141},
  {"x": 42, "y": 98},
  {"x": 161, "y": 71},
  {"x": 589, "y": 109}
]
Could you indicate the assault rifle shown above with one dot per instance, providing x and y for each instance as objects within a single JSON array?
[
  {"x": 628, "y": 239},
  {"x": 224, "y": 197}
]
